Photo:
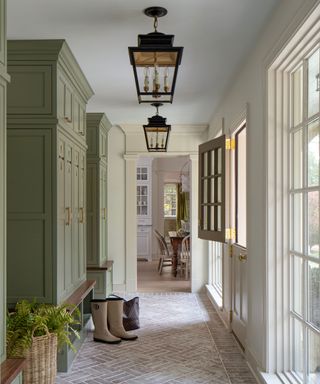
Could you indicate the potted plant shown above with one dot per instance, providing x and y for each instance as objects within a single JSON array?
[{"x": 34, "y": 331}]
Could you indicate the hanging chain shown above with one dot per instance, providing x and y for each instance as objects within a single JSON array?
[{"x": 155, "y": 24}]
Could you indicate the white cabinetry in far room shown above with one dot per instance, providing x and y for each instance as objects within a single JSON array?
[{"x": 144, "y": 208}]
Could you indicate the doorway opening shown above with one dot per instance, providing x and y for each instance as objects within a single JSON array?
[{"x": 163, "y": 211}]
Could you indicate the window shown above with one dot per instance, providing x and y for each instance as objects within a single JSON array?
[
  {"x": 212, "y": 190},
  {"x": 170, "y": 200},
  {"x": 304, "y": 218},
  {"x": 215, "y": 253},
  {"x": 241, "y": 187}
]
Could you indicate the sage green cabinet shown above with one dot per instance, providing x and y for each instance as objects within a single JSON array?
[
  {"x": 3, "y": 84},
  {"x": 46, "y": 171},
  {"x": 99, "y": 268}
]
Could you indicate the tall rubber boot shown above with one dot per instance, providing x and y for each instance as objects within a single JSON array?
[
  {"x": 115, "y": 315},
  {"x": 99, "y": 310}
]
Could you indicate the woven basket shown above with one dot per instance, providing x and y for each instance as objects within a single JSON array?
[{"x": 41, "y": 366}]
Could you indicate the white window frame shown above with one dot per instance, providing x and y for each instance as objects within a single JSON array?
[
  {"x": 164, "y": 193},
  {"x": 278, "y": 348}
]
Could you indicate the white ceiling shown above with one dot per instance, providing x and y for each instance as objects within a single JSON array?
[{"x": 216, "y": 36}]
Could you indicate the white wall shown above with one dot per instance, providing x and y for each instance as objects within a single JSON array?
[
  {"x": 116, "y": 205},
  {"x": 249, "y": 86}
]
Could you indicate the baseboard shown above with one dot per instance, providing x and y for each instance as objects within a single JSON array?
[
  {"x": 217, "y": 304},
  {"x": 253, "y": 365}
]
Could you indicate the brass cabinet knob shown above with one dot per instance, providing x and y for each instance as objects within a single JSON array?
[{"x": 242, "y": 257}]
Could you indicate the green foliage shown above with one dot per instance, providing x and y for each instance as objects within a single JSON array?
[{"x": 31, "y": 319}]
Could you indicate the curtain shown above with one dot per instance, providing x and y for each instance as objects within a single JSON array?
[{"x": 182, "y": 206}]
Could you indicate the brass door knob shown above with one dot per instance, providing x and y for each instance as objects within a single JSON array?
[{"x": 242, "y": 257}]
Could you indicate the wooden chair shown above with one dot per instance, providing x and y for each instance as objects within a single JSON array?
[
  {"x": 165, "y": 256},
  {"x": 184, "y": 257}
]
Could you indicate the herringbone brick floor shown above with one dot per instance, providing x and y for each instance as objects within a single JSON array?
[{"x": 181, "y": 340}]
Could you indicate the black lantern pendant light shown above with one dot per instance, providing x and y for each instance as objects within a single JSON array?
[
  {"x": 155, "y": 63},
  {"x": 157, "y": 132}
]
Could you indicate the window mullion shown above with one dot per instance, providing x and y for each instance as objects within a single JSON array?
[{"x": 305, "y": 214}]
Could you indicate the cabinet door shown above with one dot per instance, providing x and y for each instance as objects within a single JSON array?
[
  {"x": 143, "y": 200},
  {"x": 3, "y": 32},
  {"x": 82, "y": 119},
  {"x": 144, "y": 242},
  {"x": 93, "y": 219},
  {"x": 61, "y": 286},
  {"x": 65, "y": 101},
  {"x": 82, "y": 223},
  {"x": 2, "y": 212},
  {"x": 103, "y": 215},
  {"x": 75, "y": 223},
  {"x": 68, "y": 226},
  {"x": 102, "y": 144}
]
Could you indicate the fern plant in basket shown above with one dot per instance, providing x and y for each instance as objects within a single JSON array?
[{"x": 34, "y": 331}]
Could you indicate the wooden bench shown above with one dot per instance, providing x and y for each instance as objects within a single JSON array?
[
  {"x": 10, "y": 369},
  {"x": 80, "y": 293},
  {"x": 80, "y": 298}
]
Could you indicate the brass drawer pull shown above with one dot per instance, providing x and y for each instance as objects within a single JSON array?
[
  {"x": 68, "y": 221},
  {"x": 81, "y": 219},
  {"x": 68, "y": 119}
]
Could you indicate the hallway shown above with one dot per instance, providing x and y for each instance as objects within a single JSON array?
[
  {"x": 149, "y": 279},
  {"x": 181, "y": 340}
]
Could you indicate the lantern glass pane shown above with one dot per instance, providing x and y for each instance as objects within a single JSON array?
[
  {"x": 157, "y": 137},
  {"x": 149, "y": 59}
]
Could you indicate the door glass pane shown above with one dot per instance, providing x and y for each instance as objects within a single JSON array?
[
  {"x": 313, "y": 224},
  {"x": 297, "y": 159},
  {"x": 297, "y": 350},
  {"x": 212, "y": 219},
  {"x": 219, "y": 160},
  {"x": 297, "y": 278},
  {"x": 313, "y": 93},
  {"x": 212, "y": 190},
  {"x": 313, "y": 154},
  {"x": 219, "y": 218},
  {"x": 212, "y": 162},
  {"x": 314, "y": 358},
  {"x": 205, "y": 191},
  {"x": 241, "y": 188},
  {"x": 297, "y": 223},
  {"x": 314, "y": 293},
  {"x": 205, "y": 164},
  {"x": 297, "y": 103},
  {"x": 205, "y": 218},
  {"x": 219, "y": 192}
]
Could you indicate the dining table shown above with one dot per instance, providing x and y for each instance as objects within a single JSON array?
[{"x": 176, "y": 240}]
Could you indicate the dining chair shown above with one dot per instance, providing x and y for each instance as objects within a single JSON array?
[
  {"x": 184, "y": 257},
  {"x": 165, "y": 258}
]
